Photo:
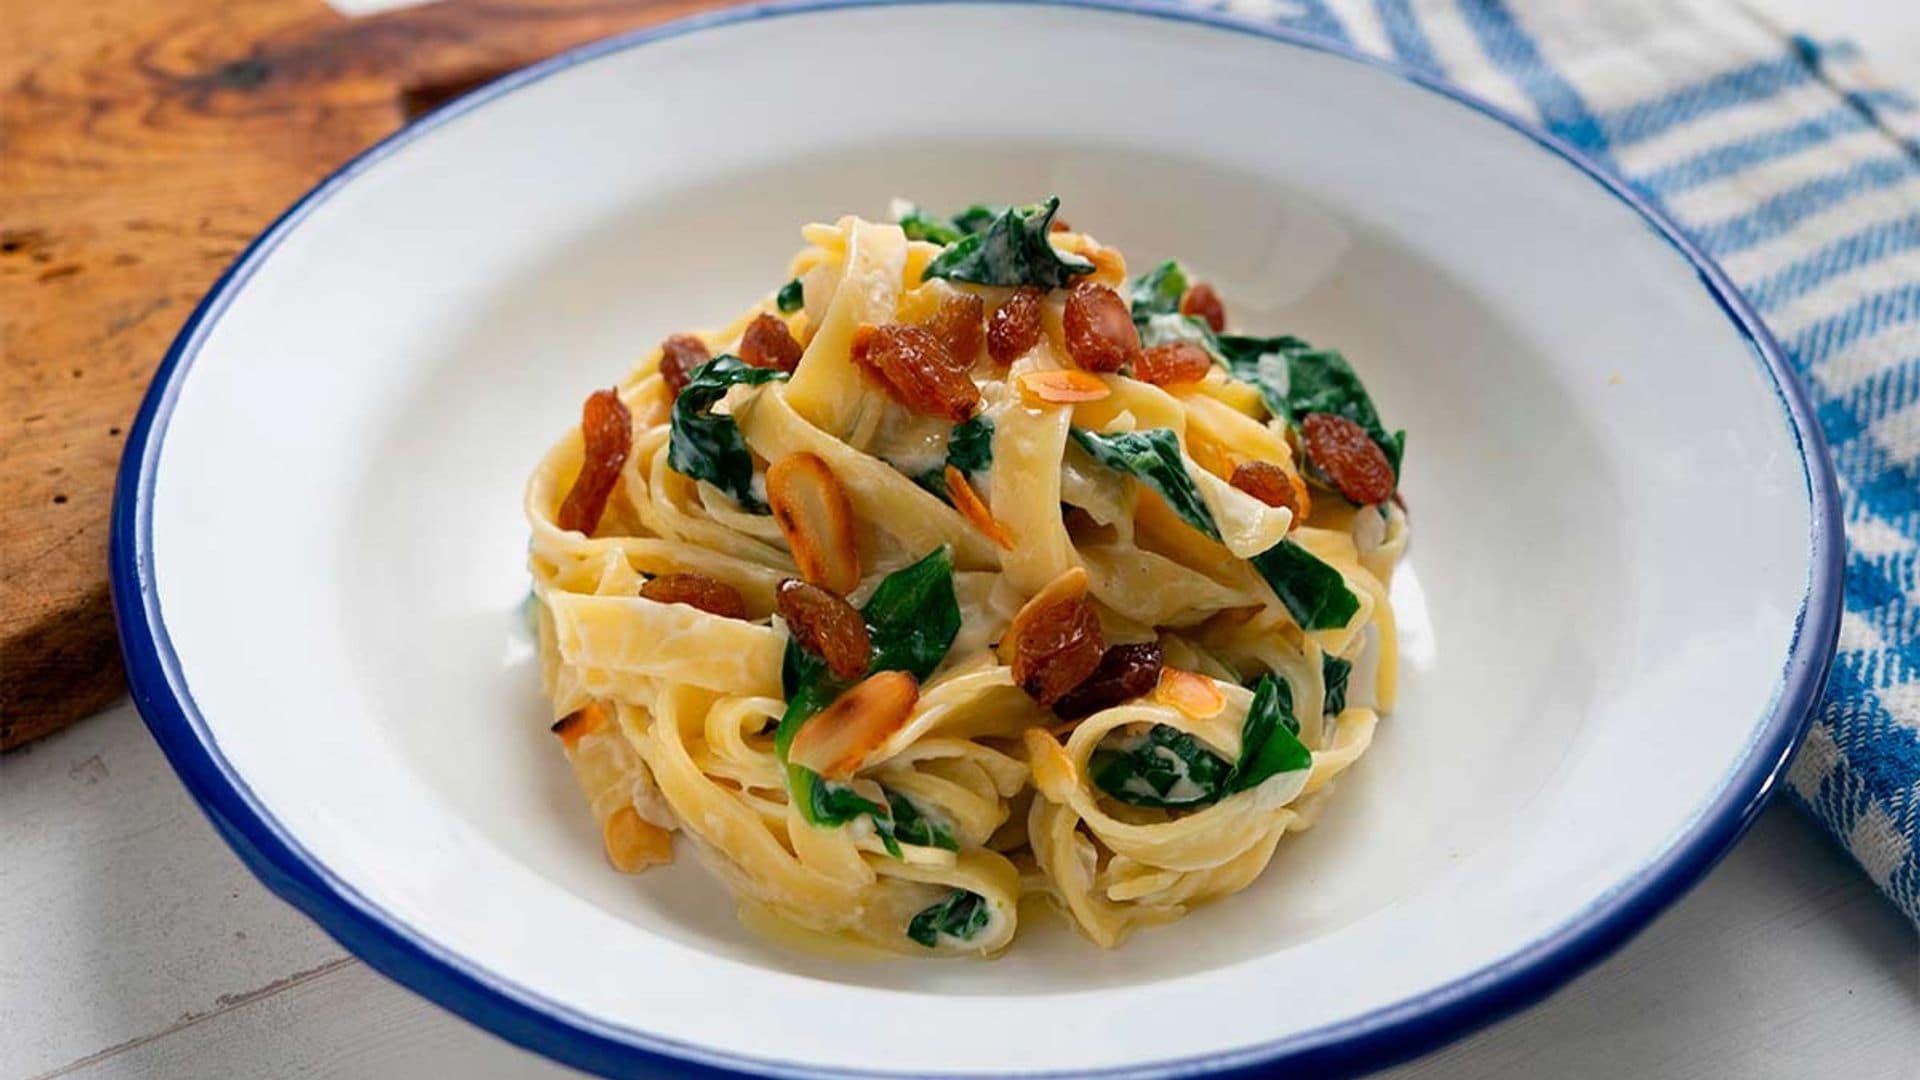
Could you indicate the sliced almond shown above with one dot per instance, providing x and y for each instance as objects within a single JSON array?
[
  {"x": 812, "y": 510},
  {"x": 1040, "y": 389},
  {"x": 1053, "y": 772},
  {"x": 967, "y": 501},
  {"x": 633, "y": 843},
  {"x": 579, "y": 724},
  {"x": 837, "y": 740},
  {"x": 1192, "y": 693}
]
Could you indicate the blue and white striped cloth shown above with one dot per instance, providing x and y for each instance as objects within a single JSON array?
[{"x": 1800, "y": 174}]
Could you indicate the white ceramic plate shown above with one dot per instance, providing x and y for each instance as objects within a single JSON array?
[{"x": 1619, "y": 604}]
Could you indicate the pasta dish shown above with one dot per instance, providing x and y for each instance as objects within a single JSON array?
[{"x": 962, "y": 570}]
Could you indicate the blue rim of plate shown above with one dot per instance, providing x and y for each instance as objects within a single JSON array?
[{"x": 1371, "y": 1040}]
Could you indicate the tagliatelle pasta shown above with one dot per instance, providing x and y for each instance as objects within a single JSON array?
[{"x": 963, "y": 568}]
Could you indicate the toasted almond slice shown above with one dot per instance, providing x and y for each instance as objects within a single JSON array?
[
  {"x": 579, "y": 724},
  {"x": 813, "y": 512},
  {"x": 633, "y": 843},
  {"x": 1070, "y": 585},
  {"x": 1190, "y": 692},
  {"x": 1053, "y": 772},
  {"x": 837, "y": 740},
  {"x": 967, "y": 501},
  {"x": 1040, "y": 389}
]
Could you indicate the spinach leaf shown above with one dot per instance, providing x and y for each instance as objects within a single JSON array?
[
  {"x": 709, "y": 447},
  {"x": 1154, "y": 457},
  {"x": 1265, "y": 362},
  {"x": 1334, "y": 672},
  {"x": 1165, "y": 768},
  {"x": 970, "y": 447},
  {"x": 1311, "y": 380},
  {"x": 791, "y": 297},
  {"x": 961, "y": 914},
  {"x": 1012, "y": 250},
  {"x": 1269, "y": 739},
  {"x": 1158, "y": 291},
  {"x": 976, "y": 218},
  {"x": 912, "y": 618},
  {"x": 1168, "y": 329},
  {"x": 1314, "y": 592},
  {"x": 910, "y": 826},
  {"x": 1169, "y": 769},
  {"x": 920, "y": 225}
]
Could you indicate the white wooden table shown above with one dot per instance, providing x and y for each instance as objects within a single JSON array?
[{"x": 133, "y": 943}]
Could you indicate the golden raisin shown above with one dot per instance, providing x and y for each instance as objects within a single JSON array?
[
  {"x": 769, "y": 344},
  {"x": 710, "y": 595},
  {"x": 826, "y": 626},
  {"x": 1056, "y": 648},
  {"x": 1015, "y": 326},
  {"x": 1201, "y": 300},
  {"x": 916, "y": 370},
  {"x": 1349, "y": 457},
  {"x": 1099, "y": 328},
  {"x": 1272, "y": 485},
  {"x": 679, "y": 355},
  {"x": 607, "y": 429},
  {"x": 1125, "y": 672},
  {"x": 960, "y": 324},
  {"x": 1173, "y": 363}
]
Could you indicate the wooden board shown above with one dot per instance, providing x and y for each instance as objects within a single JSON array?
[{"x": 143, "y": 143}]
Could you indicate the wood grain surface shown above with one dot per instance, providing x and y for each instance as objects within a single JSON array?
[{"x": 143, "y": 143}]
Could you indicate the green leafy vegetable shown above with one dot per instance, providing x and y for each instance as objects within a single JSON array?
[
  {"x": 1310, "y": 380},
  {"x": 910, "y": 826},
  {"x": 1012, "y": 249},
  {"x": 969, "y": 449},
  {"x": 976, "y": 218},
  {"x": 1166, "y": 768},
  {"x": 920, "y": 225},
  {"x": 1269, "y": 739},
  {"x": 1158, "y": 291},
  {"x": 791, "y": 297},
  {"x": 1334, "y": 672},
  {"x": 912, "y": 619},
  {"x": 1314, "y": 592},
  {"x": 960, "y": 914},
  {"x": 1154, "y": 457},
  {"x": 1170, "y": 769},
  {"x": 1168, "y": 329},
  {"x": 709, "y": 447}
]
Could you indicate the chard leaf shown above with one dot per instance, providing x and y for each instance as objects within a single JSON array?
[
  {"x": 961, "y": 914},
  {"x": 912, "y": 618},
  {"x": 1269, "y": 740},
  {"x": 1154, "y": 457},
  {"x": 970, "y": 448},
  {"x": 1166, "y": 768},
  {"x": 1158, "y": 291},
  {"x": 910, "y": 826},
  {"x": 920, "y": 225},
  {"x": 1313, "y": 380},
  {"x": 791, "y": 297},
  {"x": 707, "y": 446},
  {"x": 1168, "y": 329},
  {"x": 976, "y": 218},
  {"x": 1334, "y": 672},
  {"x": 1012, "y": 249},
  {"x": 1315, "y": 593},
  {"x": 1169, "y": 769}
]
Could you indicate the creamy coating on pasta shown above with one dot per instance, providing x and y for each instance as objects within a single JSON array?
[{"x": 965, "y": 568}]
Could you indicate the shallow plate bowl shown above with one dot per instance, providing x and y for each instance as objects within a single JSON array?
[{"x": 1619, "y": 604}]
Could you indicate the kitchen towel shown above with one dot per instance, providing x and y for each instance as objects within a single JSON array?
[{"x": 1788, "y": 163}]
